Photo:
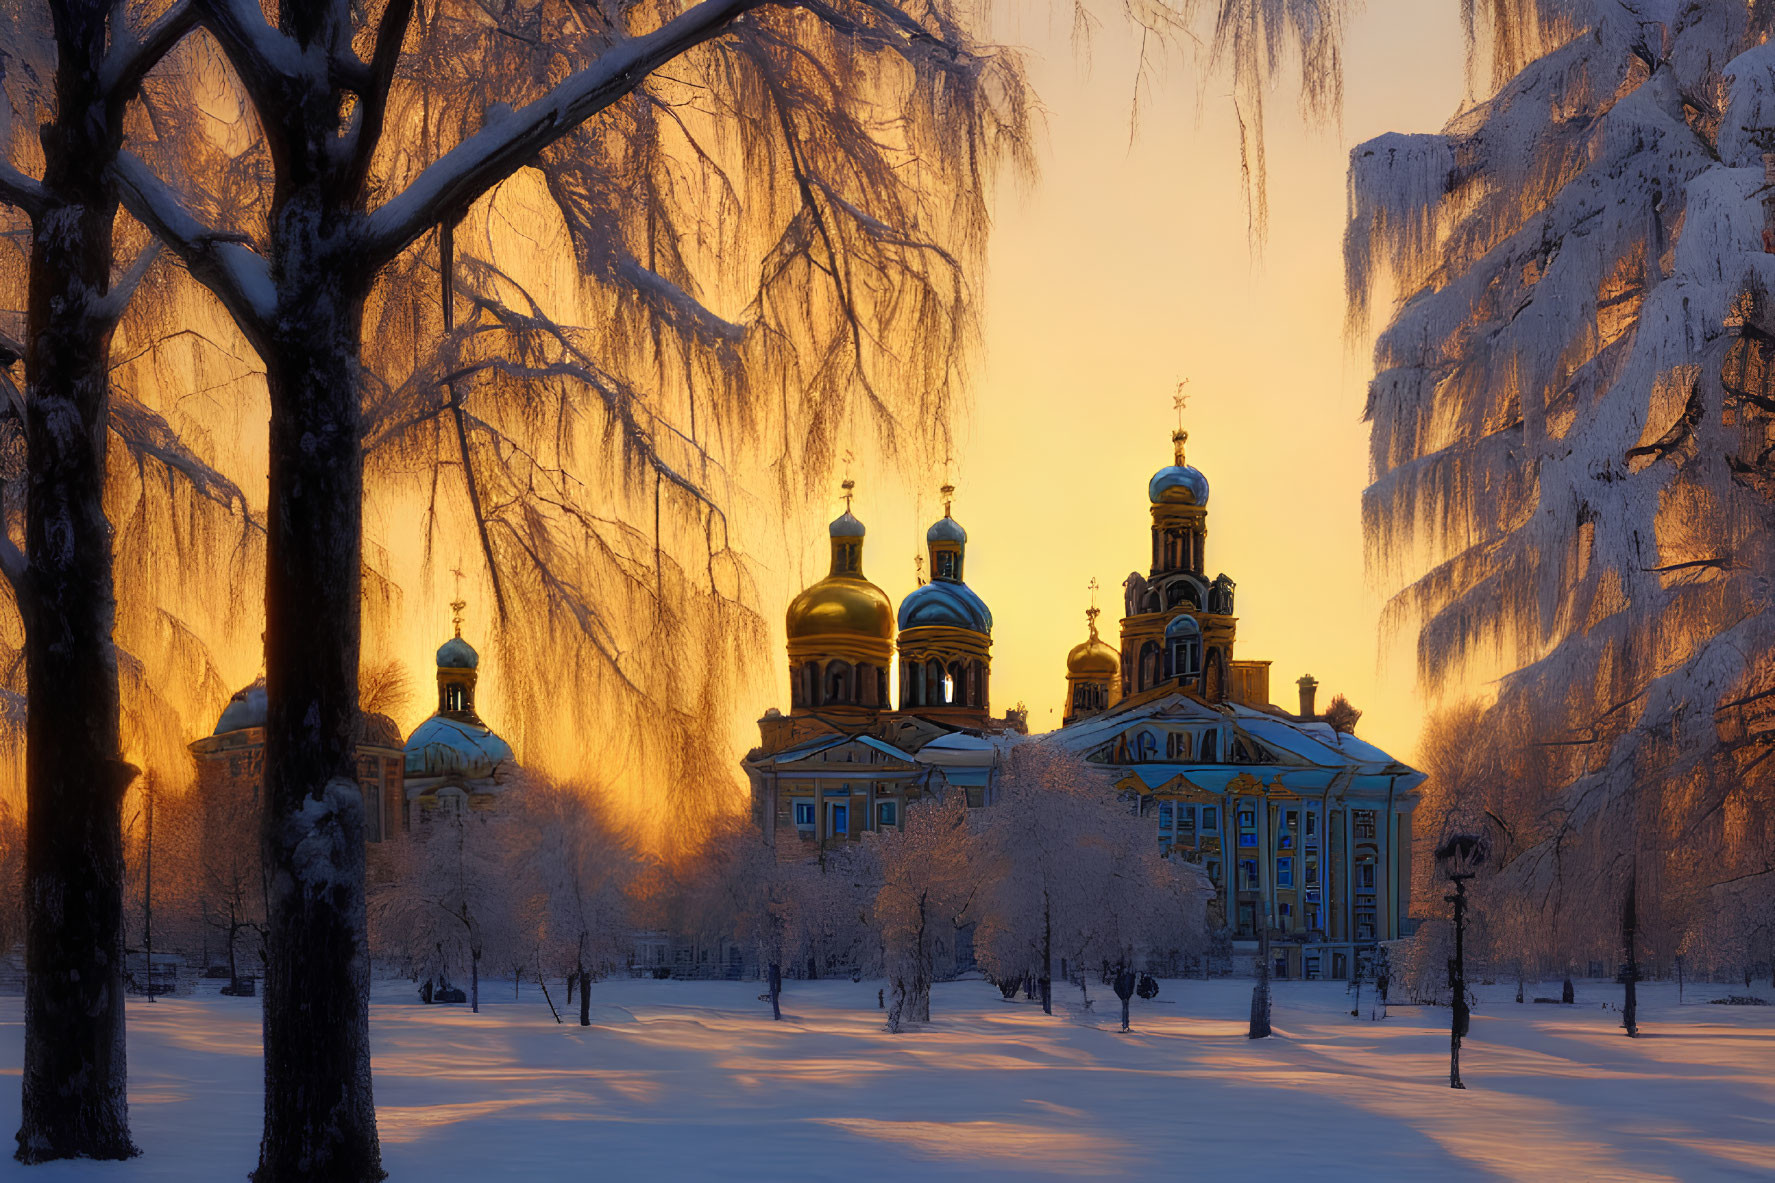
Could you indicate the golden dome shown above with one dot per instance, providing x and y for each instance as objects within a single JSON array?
[
  {"x": 841, "y": 606},
  {"x": 1094, "y": 659},
  {"x": 843, "y": 615}
]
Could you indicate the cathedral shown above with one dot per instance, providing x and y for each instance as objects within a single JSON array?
[
  {"x": 1302, "y": 828},
  {"x": 843, "y": 761},
  {"x": 452, "y": 761}
]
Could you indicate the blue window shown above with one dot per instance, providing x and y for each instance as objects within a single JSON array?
[
  {"x": 1247, "y": 839},
  {"x": 1284, "y": 872},
  {"x": 1210, "y": 819},
  {"x": 841, "y": 820},
  {"x": 804, "y": 813},
  {"x": 1164, "y": 815},
  {"x": 886, "y": 813}
]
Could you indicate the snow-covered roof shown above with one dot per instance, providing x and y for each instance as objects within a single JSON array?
[
  {"x": 813, "y": 747},
  {"x": 1304, "y": 755}
]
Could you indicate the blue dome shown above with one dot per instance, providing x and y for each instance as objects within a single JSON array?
[
  {"x": 246, "y": 709},
  {"x": 442, "y": 746},
  {"x": 845, "y": 525},
  {"x": 947, "y": 604},
  {"x": 1178, "y": 482},
  {"x": 947, "y": 529},
  {"x": 457, "y": 654}
]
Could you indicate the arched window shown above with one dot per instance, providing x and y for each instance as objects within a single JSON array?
[
  {"x": 1149, "y": 665},
  {"x": 948, "y": 688},
  {"x": 1183, "y": 648},
  {"x": 838, "y": 682},
  {"x": 453, "y": 698}
]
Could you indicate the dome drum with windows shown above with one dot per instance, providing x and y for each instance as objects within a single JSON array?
[
  {"x": 946, "y": 632},
  {"x": 841, "y": 631}
]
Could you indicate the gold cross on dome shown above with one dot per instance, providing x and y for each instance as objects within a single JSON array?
[
  {"x": 458, "y": 604},
  {"x": 849, "y": 486},
  {"x": 1179, "y": 401}
]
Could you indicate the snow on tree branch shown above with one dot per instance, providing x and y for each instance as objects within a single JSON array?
[
  {"x": 129, "y": 59},
  {"x": 229, "y": 268},
  {"x": 509, "y": 140},
  {"x": 27, "y": 194}
]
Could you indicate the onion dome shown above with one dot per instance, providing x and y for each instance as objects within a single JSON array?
[
  {"x": 946, "y": 601},
  {"x": 448, "y": 746},
  {"x": 454, "y": 742},
  {"x": 245, "y": 710},
  {"x": 1094, "y": 658},
  {"x": 843, "y": 613},
  {"x": 946, "y": 529},
  {"x": 950, "y": 605},
  {"x": 1179, "y": 483},
  {"x": 457, "y": 654}
]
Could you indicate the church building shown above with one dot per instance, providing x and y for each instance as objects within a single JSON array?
[
  {"x": 843, "y": 762},
  {"x": 1301, "y": 827}
]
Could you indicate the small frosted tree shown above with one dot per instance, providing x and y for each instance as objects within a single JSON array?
[
  {"x": 1066, "y": 874},
  {"x": 924, "y": 879},
  {"x": 579, "y": 869},
  {"x": 450, "y": 891}
]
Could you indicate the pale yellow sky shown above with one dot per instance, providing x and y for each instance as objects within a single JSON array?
[{"x": 1124, "y": 269}]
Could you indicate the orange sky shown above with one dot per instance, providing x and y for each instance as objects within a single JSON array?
[{"x": 1125, "y": 268}]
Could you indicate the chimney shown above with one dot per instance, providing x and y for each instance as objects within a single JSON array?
[{"x": 1309, "y": 686}]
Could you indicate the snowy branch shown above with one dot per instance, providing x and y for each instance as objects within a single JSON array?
[
  {"x": 510, "y": 140},
  {"x": 129, "y": 60},
  {"x": 676, "y": 305},
  {"x": 117, "y": 299},
  {"x": 373, "y": 106},
  {"x": 18, "y": 189},
  {"x": 261, "y": 55},
  {"x": 230, "y": 269},
  {"x": 149, "y": 437}
]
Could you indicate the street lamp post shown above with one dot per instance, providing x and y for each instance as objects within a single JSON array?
[
  {"x": 1457, "y": 979},
  {"x": 1458, "y": 857}
]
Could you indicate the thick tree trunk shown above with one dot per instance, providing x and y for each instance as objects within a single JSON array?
[
  {"x": 320, "y": 1119},
  {"x": 72, "y": 1098}
]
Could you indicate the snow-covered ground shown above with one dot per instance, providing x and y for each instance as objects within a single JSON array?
[{"x": 682, "y": 1080}]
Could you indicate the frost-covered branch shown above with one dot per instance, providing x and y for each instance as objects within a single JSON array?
[
  {"x": 130, "y": 58},
  {"x": 510, "y": 140},
  {"x": 372, "y": 108},
  {"x": 117, "y": 299},
  {"x": 24, "y": 192},
  {"x": 228, "y": 267}
]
